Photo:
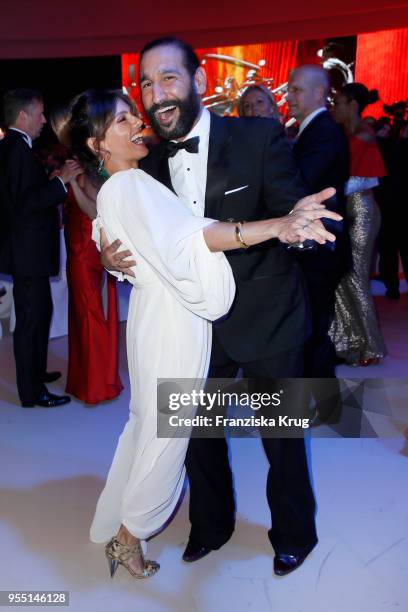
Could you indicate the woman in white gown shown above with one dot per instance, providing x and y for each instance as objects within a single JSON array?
[{"x": 182, "y": 282}]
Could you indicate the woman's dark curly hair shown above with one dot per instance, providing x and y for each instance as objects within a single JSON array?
[{"x": 89, "y": 115}]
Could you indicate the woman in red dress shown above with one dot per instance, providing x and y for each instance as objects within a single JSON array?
[{"x": 92, "y": 338}]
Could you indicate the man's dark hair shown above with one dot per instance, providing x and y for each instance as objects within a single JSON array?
[
  {"x": 191, "y": 62},
  {"x": 16, "y": 100}
]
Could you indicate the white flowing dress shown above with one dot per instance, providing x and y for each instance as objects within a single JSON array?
[{"x": 179, "y": 287}]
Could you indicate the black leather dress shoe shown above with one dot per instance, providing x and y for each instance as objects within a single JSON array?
[
  {"x": 50, "y": 377},
  {"x": 48, "y": 400},
  {"x": 195, "y": 551},
  {"x": 284, "y": 564}
]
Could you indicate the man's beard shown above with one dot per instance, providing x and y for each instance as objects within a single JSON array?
[{"x": 189, "y": 109}]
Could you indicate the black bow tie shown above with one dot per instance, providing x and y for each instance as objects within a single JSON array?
[{"x": 190, "y": 145}]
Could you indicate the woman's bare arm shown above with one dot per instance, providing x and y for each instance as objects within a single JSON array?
[
  {"x": 85, "y": 194},
  {"x": 303, "y": 223}
]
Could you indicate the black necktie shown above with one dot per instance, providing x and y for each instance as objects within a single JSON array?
[{"x": 190, "y": 145}]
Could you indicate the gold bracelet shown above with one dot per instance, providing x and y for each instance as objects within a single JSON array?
[{"x": 238, "y": 235}]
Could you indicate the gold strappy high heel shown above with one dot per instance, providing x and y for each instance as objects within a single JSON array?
[{"x": 121, "y": 554}]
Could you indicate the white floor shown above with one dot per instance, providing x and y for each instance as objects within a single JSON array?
[{"x": 53, "y": 465}]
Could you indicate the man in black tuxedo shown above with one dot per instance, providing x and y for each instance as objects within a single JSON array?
[
  {"x": 240, "y": 169},
  {"x": 29, "y": 242},
  {"x": 321, "y": 151}
]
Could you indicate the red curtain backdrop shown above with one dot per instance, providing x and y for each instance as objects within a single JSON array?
[
  {"x": 279, "y": 58},
  {"x": 307, "y": 51},
  {"x": 381, "y": 64}
]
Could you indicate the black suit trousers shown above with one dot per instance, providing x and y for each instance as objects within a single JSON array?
[
  {"x": 320, "y": 354},
  {"x": 392, "y": 245},
  {"x": 289, "y": 492},
  {"x": 33, "y": 306}
]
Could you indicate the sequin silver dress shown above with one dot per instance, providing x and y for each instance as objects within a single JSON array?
[{"x": 355, "y": 331}]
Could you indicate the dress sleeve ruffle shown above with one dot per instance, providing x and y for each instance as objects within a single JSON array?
[{"x": 366, "y": 158}]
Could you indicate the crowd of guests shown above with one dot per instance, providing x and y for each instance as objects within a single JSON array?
[
  {"x": 302, "y": 304},
  {"x": 336, "y": 147},
  {"x": 92, "y": 335}
]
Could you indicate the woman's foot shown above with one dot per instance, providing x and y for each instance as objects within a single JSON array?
[
  {"x": 136, "y": 562},
  {"x": 126, "y": 550}
]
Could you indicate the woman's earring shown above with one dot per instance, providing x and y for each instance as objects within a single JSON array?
[{"x": 102, "y": 172}]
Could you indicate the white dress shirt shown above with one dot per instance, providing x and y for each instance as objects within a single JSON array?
[
  {"x": 188, "y": 171},
  {"x": 29, "y": 141},
  {"x": 310, "y": 118},
  {"x": 27, "y": 138}
]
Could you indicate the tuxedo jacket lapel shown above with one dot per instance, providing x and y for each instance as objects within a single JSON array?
[
  {"x": 163, "y": 167},
  {"x": 157, "y": 165},
  {"x": 217, "y": 166},
  {"x": 309, "y": 131}
]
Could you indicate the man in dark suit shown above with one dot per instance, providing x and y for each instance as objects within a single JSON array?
[
  {"x": 391, "y": 195},
  {"x": 321, "y": 151},
  {"x": 242, "y": 170},
  {"x": 29, "y": 242}
]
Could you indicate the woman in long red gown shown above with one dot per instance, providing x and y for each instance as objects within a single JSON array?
[{"x": 92, "y": 339}]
